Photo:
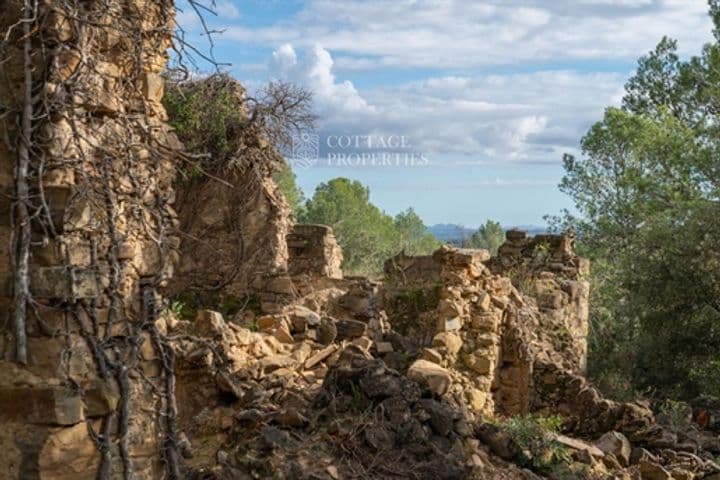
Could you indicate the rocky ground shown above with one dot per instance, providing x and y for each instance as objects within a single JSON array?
[{"x": 326, "y": 388}]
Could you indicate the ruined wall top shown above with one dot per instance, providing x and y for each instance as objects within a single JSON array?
[
  {"x": 313, "y": 250},
  {"x": 548, "y": 252}
]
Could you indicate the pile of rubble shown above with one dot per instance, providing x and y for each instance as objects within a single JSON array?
[
  {"x": 314, "y": 398},
  {"x": 412, "y": 378}
]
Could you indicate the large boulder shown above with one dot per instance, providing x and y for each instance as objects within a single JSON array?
[
  {"x": 435, "y": 377},
  {"x": 617, "y": 444}
]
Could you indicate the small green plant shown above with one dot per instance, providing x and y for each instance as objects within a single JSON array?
[
  {"x": 359, "y": 400},
  {"x": 536, "y": 437},
  {"x": 181, "y": 311},
  {"x": 678, "y": 414}
]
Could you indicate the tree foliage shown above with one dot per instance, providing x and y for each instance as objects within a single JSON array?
[
  {"x": 224, "y": 128},
  {"x": 413, "y": 235},
  {"x": 646, "y": 192},
  {"x": 367, "y": 235},
  {"x": 287, "y": 183},
  {"x": 489, "y": 236}
]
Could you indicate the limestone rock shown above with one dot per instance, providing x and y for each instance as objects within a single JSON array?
[
  {"x": 577, "y": 444},
  {"x": 320, "y": 356},
  {"x": 653, "y": 471},
  {"x": 327, "y": 331},
  {"x": 449, "y": 324},
  {"x": 479, "y": 363},
  {"x": 209, "y": 323},
  {"x": 383, "y": 347},
  {"x": 350, "y": 329},
  {"x": 302, "y": 317},
  {"x": 452, "y": 342},
  {"x": 434, "y": 376},
  {"x": 617, "y": 444},
  {"x": 499, "y": 441},
  {"x": 432, "y": 355}
]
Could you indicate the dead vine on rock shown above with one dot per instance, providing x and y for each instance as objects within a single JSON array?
[{"x": 93, "y": 184}]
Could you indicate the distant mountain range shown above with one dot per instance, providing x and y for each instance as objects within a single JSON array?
[{"x": 452, "y": 233}]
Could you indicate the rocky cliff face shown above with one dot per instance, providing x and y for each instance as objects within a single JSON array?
[
  {"x": 233, "y": 219},
  {"x": 98, "y": 180}
]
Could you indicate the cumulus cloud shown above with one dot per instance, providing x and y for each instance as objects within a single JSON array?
[
  {"x": 456, "y": 105},
  {"x": 315, "y": 71},
  {"x": 531, "y": 117}
]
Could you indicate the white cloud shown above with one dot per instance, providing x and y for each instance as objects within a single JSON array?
[
  {"x": 226, "y": 9},
  {"x": 465, "y": 34},
  {"x": 315, "y": 71},
  {"x": 532, "y": 117}
]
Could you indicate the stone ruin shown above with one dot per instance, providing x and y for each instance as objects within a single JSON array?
[
  {"x": 236, "y": 230},
  {"x": 321, "y": 377},
  {"x": 466, "y": 309},
  {"x": 101, "y": 238},
  {"x": 314, "y": 251},
  {"x": 402, "y": 374}
]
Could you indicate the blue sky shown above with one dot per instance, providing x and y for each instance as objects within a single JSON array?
[{"x": 485, "y": 96}]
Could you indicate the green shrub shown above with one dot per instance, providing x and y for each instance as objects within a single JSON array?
[{"x": 536, "y": 437}]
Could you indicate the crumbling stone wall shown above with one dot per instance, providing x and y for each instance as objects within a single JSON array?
[
  {"x": 483, "y": 318},
  {"x": 314, "y": 251},
  {"x": 99, "y": 181},
  {"x": 546, "y": 269},
  {"x": 233, "y": 218},
  {"x": 463, "y": 309},
  {"x": 233, "y": 232}
]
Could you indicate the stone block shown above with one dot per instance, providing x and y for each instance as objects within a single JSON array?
[
  {"x": 489, "y": 322},
  {"x": 476, "y": 398},
  {"x": 384, "y": 347},
  {"x": 432, "y": 355},
  {"x": 452, "y": 342},
  {"x": 153, "y": 87},
  {"x": 41, "y": 405},
  {"x": 483, "y": 302},
  {"x": 434, "y": 376},
  {"x": 282, "y": 334},
  {"x": 209, "y": 323},
  {"x": 350, "y": 329},
  {"x": 320, "y": 356},
  {"x": 449, "y": 324},
  {"x": 479, "y": 362},
  {"x": 63, "y": 283},
  {"x": 617, "y": 444},
  {"x": 100, "y": 399},
  {"x": 516, "y": 235}
]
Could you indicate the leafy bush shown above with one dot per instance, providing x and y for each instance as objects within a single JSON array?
[
  {"x": 678, "y": 415},
  {"x": 536, "y": 437},
  {"x": 223, "y": 128},
  {"x": 181, "y": 311}
]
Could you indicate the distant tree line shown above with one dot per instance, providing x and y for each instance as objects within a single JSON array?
[{"x": 367, "y": 235}]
